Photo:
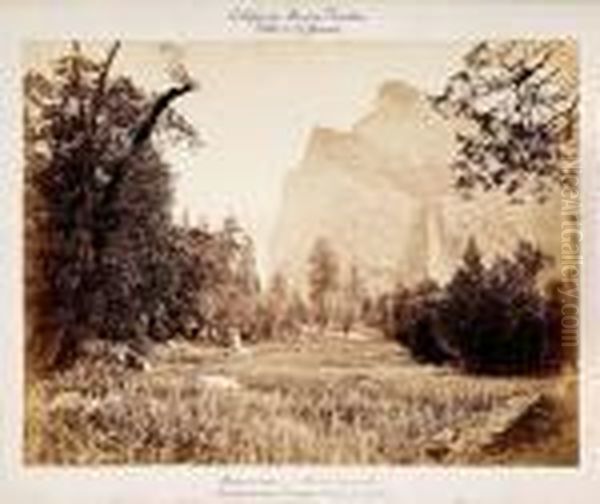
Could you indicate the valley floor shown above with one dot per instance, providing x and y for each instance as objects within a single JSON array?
[{"x": 321, "y": 400}]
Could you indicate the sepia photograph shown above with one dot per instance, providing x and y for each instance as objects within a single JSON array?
[{"x": 301, "y": 252}]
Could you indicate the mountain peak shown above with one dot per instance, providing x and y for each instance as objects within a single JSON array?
[{"x": 397, "y": 93}]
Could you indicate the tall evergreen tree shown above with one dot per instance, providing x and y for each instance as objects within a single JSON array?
[
  {"x": 97, "y": 202},
  {"x": 323, "y": 280}
]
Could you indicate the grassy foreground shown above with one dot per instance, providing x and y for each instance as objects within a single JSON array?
[{"x": 328, "y": 400}]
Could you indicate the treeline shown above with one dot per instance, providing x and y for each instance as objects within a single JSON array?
[
  {"x": 491, "y": 319},
  {"x": 105, "y": 260},
  {"x": 232, "y": 303},
  {"x": 334, "y": 297},
  {"x": 498, "y": 318}
]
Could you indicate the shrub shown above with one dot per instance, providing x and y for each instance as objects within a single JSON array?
[
  {"x": 415, "y": 322},
  {"x": 495, "y": 316},
  {"x": 487, "y": 319}
]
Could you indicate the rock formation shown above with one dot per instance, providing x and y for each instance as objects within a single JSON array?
[{"x": 381, "y": 193}]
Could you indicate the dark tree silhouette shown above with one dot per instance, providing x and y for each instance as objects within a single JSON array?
[
  {"x": 495, "y": 317},
  {"x": 515, "y": 107},
  {"x": 489, "y": 319},
  {"x": 323, "y": 272},
  {"x": 97, "y": 197}
]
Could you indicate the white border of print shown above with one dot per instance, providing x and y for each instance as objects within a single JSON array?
[{"x": 207, "y": 19}]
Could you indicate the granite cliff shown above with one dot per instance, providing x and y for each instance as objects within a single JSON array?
[{"x": 381, "y": 193}]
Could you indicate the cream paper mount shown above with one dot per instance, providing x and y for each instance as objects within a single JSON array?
[{"x": 290, "y": 251}]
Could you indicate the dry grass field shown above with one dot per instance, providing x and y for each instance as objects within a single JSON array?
[{"x": 327, "y": 400}]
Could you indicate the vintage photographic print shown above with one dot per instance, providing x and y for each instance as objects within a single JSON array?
[{"x": 301, "y": 252}]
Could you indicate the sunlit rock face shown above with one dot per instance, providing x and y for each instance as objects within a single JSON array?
[{"x": 382, "y": 194}]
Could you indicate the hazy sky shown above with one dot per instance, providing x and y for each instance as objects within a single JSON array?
[{"x": 257, "y": 104}]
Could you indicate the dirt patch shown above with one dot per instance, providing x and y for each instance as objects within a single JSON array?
[{"x": 219, "y": 382}]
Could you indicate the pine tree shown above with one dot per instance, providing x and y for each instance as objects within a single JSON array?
[
  {"x": 353, "y": 294},
  {"x": 323, "y": 280}
]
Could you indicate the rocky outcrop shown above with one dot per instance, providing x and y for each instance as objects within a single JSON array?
[{"x": 523, "y": 419}]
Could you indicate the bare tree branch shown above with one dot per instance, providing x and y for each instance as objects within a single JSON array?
[
  {"x": 140, "y": 135},
  {"x": 144, "y": 129},
  {"x": 521, "y": 112},
  {"x": 101, "y": 85}
]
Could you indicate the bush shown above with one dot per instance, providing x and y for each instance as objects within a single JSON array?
[
  {"x": 415, "y": 322},
  {"x": 492, "y": 320},
  {"x": 496, "y": 317}
]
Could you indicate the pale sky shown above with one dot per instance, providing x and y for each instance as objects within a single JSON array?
[{"x": 256, "y": 106}]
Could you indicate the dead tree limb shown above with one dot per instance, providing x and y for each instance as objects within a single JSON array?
[
  {"x": 103, "y": 76},
  {"x": 140, "y": 134}
]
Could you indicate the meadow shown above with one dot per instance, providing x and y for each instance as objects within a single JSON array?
[{"x": 321, "y": 399}]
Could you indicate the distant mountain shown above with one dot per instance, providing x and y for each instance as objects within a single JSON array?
[{"x": 381, "y": 193}]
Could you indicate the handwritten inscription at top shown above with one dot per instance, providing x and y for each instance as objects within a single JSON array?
[{"x": 297, "y": 20}]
